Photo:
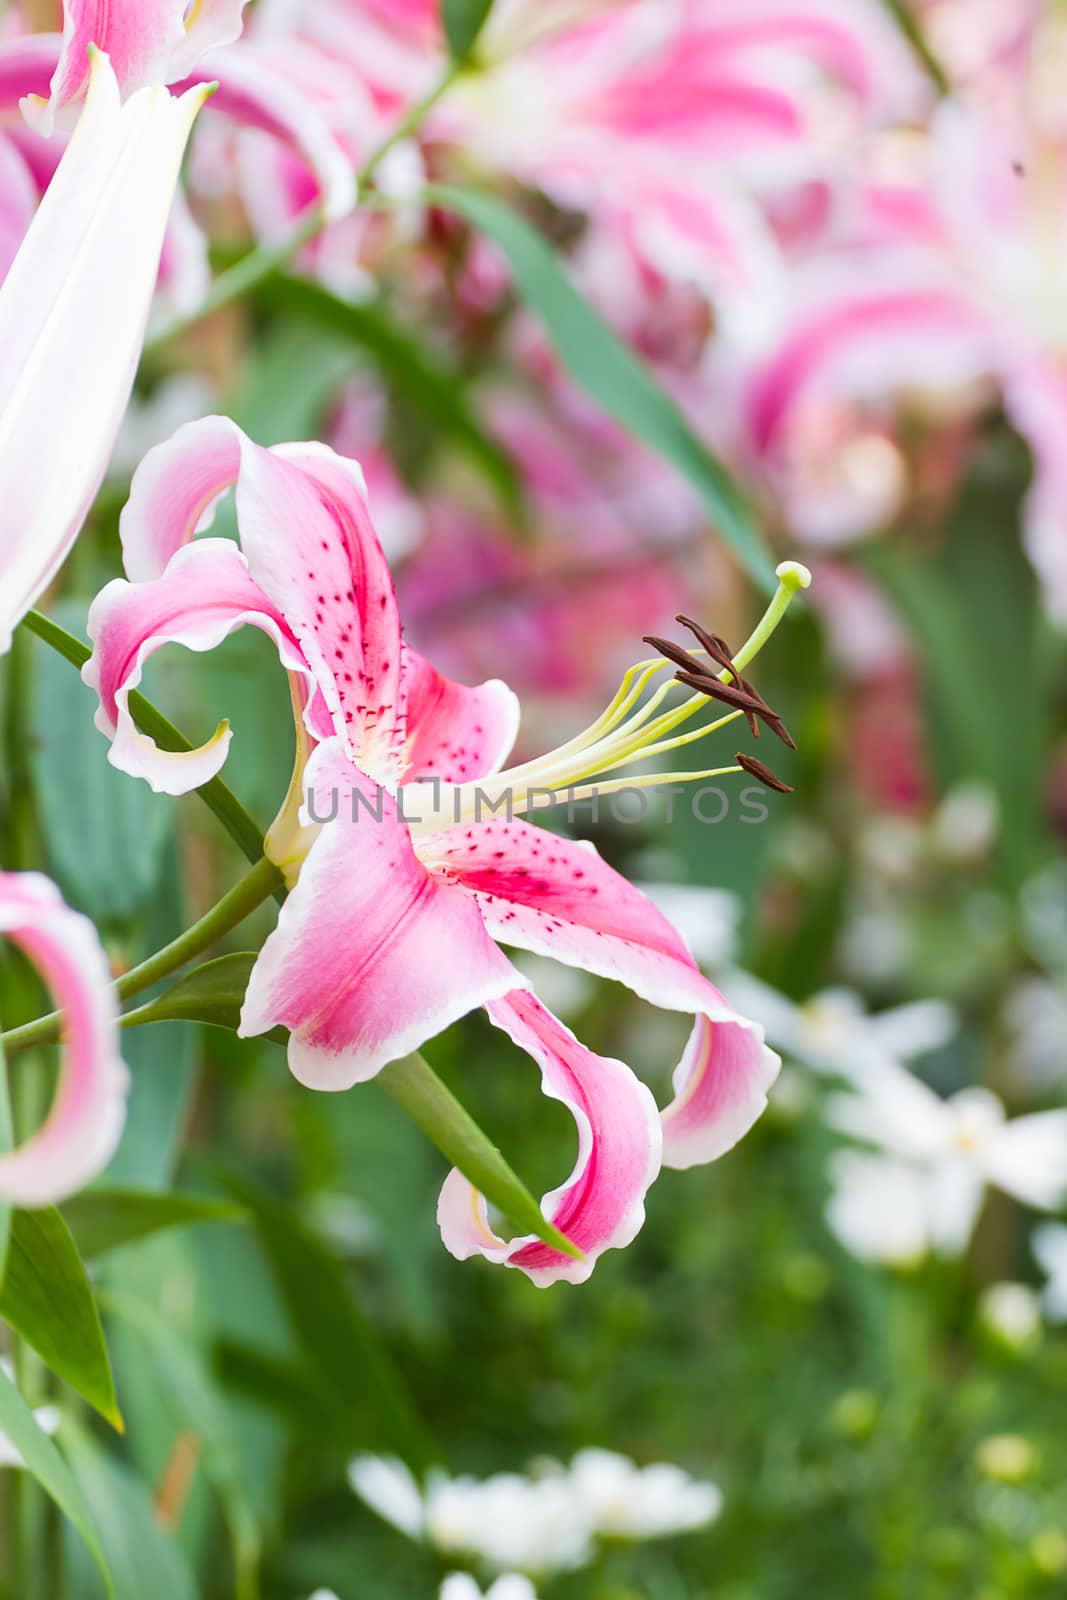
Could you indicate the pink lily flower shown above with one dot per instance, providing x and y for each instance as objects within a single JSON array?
[
  {"x": 82, "y": 1130},
  {"x": 73, "y": 310},
  {"x": 393, "y": 926}
]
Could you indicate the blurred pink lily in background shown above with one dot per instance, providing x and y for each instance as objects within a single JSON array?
[
  {"x": 390, "y": 930},
  {"x": 669, "y": 123},
  {"x": 73, "y": 310},
  {"x": 944, "y": 284},
  {"x": 82, "y": 1130}
]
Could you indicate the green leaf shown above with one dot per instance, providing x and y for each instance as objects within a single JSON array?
[
  {"x": 44, "y": 1462},
  {"x": 47, "y": 1299},
  {"x": 105, "y": 834},
  {"x": 103, "y": 1219},
  {"x": 198, "y": 1409},
  {"x": 463, "y": 21},
  {"x": 211, "y": 993},
  {"x": 409, "y": 369},
  {"x": 142, "y": 1559},
  {"x": 611, "y": 373},
  {"x": 342, "y": 1347},
  {"x": 214, "y": 992}
]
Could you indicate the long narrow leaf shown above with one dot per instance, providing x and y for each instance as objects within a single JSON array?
[
  {"x": 44, "y": 1462},
  {"x": 47, "y": 1298},
  {"x": 463, "y": 21}
]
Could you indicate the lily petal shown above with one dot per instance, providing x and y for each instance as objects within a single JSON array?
[
  {"x": 137, "y": 39},
  {"x": 456, "y": 733},
  {"x": 601, "y": 1205},
  {"x": 1028, "y": 1159},
  {"x": 557, "y": 898},
  {"x": 305, "y": 528},
  {"x": 373, "y": 954},
  {"x": 205, "y": 594},
  {"x": 85, "y": 1122},
  {"x": 73, "y": 310},
  {"x": 251, "y": 92}
]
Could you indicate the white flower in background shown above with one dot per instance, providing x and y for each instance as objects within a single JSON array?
[
  {"x": 461, "y": 1586},
  {"x": 925, "y": 1189},
  {"x": 1049, "y": 1244},
  {"x": 1035, "y": 1020},
  {"x": 965, "y": 825},
  {"x": 1012, "y": 1311},
  {"x": 541, "y": 1524},
  {"x": 834, "y": 1033},
  {"x": 707, "y": 919},
  {"x": 47, "y": 1419},
  {"x": 510, "y": 1522},
  {"x": 625, "y": 1501},
  {"x": 323, "y": 1594},
  {"x": 879, "y": 1209}
]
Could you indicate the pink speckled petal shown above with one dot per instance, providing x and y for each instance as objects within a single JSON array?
[
  {"x": 456, "y": 733},
  {"x": 558, "y": 898},
  {"x": 204, "y": 595},
  {"x": 373, "y": 954},
  {"x": 601, "y": 1205}
]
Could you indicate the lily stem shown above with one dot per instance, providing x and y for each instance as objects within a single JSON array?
[{"x": 256, "y": 887}]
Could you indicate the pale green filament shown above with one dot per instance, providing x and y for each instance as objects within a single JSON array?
[{"x": 628, "y": 730}]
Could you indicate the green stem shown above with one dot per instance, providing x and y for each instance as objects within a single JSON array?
[
  {"x": 241, "y": 827},
  {"x": 19, "y": 797},
  {"x": 257, "y": 886},
  {"x": 265, "y": 260}
]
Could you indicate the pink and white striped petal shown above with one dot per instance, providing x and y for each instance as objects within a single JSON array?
[
  {"x": 83, "y": 1127},
  {"x": 373, "y": 954},
  {"x": 205, "y": 594},
  {"x": 601, "y": 1205},
  {"x": 720, "y": 1086},
  {"x": 138, "y": 40}
]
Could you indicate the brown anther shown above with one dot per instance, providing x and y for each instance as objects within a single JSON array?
[
  {"x": 698, "y": 674},
  {"x": 707, "y": 683},
  {"x": 675, "y": 653},
  {"x": 757, "y": 769}
]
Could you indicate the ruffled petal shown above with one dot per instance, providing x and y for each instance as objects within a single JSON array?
[
  {"x": 73, "y": 310},
  {"x": 720, "y": 1086},
  {"x": 601, "y": 1205},
  {"x": 557, "y": 898},
  {"x": 456, "y": 733},
  {"x": 174, "y": 492},
  {"x": 306, "y": 530},
  {"x": 373, "y": 954},
  {"x": 85, "y": 1122},
  {"x": 209, "y": 24},
  {"x": 204, "y": 595}
]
